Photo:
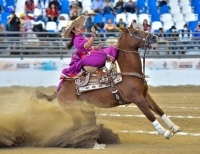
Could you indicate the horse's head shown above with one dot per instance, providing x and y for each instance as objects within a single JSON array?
[{"x": 136, "y": 38}]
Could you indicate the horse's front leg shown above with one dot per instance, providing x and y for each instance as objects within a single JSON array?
[
  {"x": 154, "y": 107},
  {"x": 143, "y": 106}
]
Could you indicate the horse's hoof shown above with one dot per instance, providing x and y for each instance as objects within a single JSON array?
[
  {"x": 176, "y": 129},
  {"x": 168, "y": 134}
]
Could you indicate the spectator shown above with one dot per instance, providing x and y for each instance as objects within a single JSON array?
[
  {"x": 162, "y": 2},
  {"x": 43, "y": 4},
  {"x": 185, "y": 36},
  {"x": 78, "y": 3},
  {"x": 52, "y": 13},
  {"x": 119, "y": 7},
  {"x": 39, "y": 28},
  {"x": 149, "y": 30},
  {"x": 56, "y": 3},
  {"x": 2, "y": 30},
  {"x": 29, "y": 6},
  {"x": 130, "y": 7},
  {"x": 134, "y": 21},
  {"x": 39, "y": 13},
  {"x": 89, "y": 23},
  {"x": 197, "y": 35},
  {"x": 162, "y": 40},
  {"x": 110, "y": 27},
  {"x": 62, "y": 18},
  {"x": 74, "y": 15},
  {"x": 173, "y": 36},
  {"x": 27, "y": 27},
  {"x": 64, "y": 40},
  {"x": 13, "y": 26},
  {"x": 97, "y": 6},
  {"x": 75, "y": 7},
  {"x": 121, "y": 24},
  {"x": 161, "y": 33},
  {"x": 108, "y": 7},
  {"x": 145, "y": 24},
  {"x": 21, "y": 18}
]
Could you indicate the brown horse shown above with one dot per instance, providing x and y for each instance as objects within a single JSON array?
[{"x": 132, "y": 89}]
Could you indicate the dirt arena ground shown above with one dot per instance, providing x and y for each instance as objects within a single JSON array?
[{"x": 21, "y": 115}]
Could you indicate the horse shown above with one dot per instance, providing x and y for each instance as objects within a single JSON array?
[{"x": 132, "y": 89}]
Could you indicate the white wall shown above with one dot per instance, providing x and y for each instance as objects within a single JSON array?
[{"x": 29, "y": 72}]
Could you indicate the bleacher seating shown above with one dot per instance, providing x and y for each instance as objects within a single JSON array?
[
  {"x": 164, "y": 9},
  {"x": 155, "y": 17},
  {"x": 186, "y": 9},
  {"x": 131, "y": 17},
  {"x": 66, "y": 16},
  {"x": 64, "y": 6},
  {"x": 166, "y": 17},
  {"x": 109, "y": 16},
  {"x": 61, "y": 24},
  {"x": 185, "y": 3},
  {"x": 156, "y": 25},
  {"x": 175, "y": 9},
  {"x": 179, "y": 24},
  {"x": 173, "y": 3},
  {"x": 190, "y": 17},
  {"x": 178, "y": 17},
  {"x": 176, "y": 13},
  {"x": 167, "y": 25},
  {"x": 192, "y": 25},
  {"x": 141, "y": 18},
  {"x": 121, "y": 16},
  {"x": 51, "y": 26},
  {"x": 98, "y": 18}
]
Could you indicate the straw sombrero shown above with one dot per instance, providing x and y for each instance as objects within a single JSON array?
[
  {"x": 91, "y": 13},
  {"x": 137, "y": 25},
  {"x": 70, "y": 25}
]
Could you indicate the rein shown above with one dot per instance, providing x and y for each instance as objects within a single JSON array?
[{"x": 143, "y": 76}]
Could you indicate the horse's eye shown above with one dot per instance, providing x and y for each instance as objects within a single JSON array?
[{"x": 135, "y": 33}]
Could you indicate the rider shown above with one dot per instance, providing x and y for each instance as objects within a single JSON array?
[{"x": 86, "y": 54}]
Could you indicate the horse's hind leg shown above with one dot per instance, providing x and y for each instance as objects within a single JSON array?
[
  {"x": 143, "y": 106},
  {"x": 89, "y": 113},
  {"x": 154, "y": 107}
]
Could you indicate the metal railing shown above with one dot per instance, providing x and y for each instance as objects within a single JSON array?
[{"x": 16, "y": 44}]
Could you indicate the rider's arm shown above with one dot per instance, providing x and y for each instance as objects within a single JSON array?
[{"x": 89, "y": 43}]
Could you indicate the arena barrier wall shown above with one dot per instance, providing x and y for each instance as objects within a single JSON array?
[{"x": 45, "y": 72}]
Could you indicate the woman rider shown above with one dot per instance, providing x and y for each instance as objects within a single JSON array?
[{"x": 86, "y": 54}]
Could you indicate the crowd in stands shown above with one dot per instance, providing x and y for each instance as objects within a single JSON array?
[{"x": 36, "y": 15}]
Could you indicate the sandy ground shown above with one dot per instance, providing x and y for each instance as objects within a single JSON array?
[{"x": 40, "y": 121}]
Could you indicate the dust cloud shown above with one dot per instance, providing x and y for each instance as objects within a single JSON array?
[{"x": 26, "y": 121}]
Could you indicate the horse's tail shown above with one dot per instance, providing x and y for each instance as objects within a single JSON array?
[{"x": 40, "y": 95}]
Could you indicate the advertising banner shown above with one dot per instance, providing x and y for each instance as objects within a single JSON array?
[{"x": 52, "y": 65}]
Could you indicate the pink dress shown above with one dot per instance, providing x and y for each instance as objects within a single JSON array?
[{"x": 86, "y": 57}]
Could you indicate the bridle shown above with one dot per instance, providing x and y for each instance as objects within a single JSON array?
[
  {"x": 142, "y": 76},
  {"x": 146, "y": 51}
]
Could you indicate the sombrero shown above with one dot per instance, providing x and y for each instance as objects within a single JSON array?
[
  {"x": 137, "y": 25},
  {"x": 70, "y": 25},
  {"x": 91, "y": 13}
]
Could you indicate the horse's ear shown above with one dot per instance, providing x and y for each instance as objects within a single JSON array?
[
  {"x": 131, "y": 26},
  {"x": 123, "y": 29}
]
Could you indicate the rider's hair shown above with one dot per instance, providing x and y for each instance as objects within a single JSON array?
[{"x": 71, "y": 43}]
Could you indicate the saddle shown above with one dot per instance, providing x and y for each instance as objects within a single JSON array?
[{"x": 94, "y": 78}]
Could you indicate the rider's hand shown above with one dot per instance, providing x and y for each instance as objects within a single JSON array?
[
  {"x": 100, "y": 45},
  {"x": 93, "y": 30}
]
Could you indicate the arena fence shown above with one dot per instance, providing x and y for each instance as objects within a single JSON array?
[{"x": 18, "y": 45}]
